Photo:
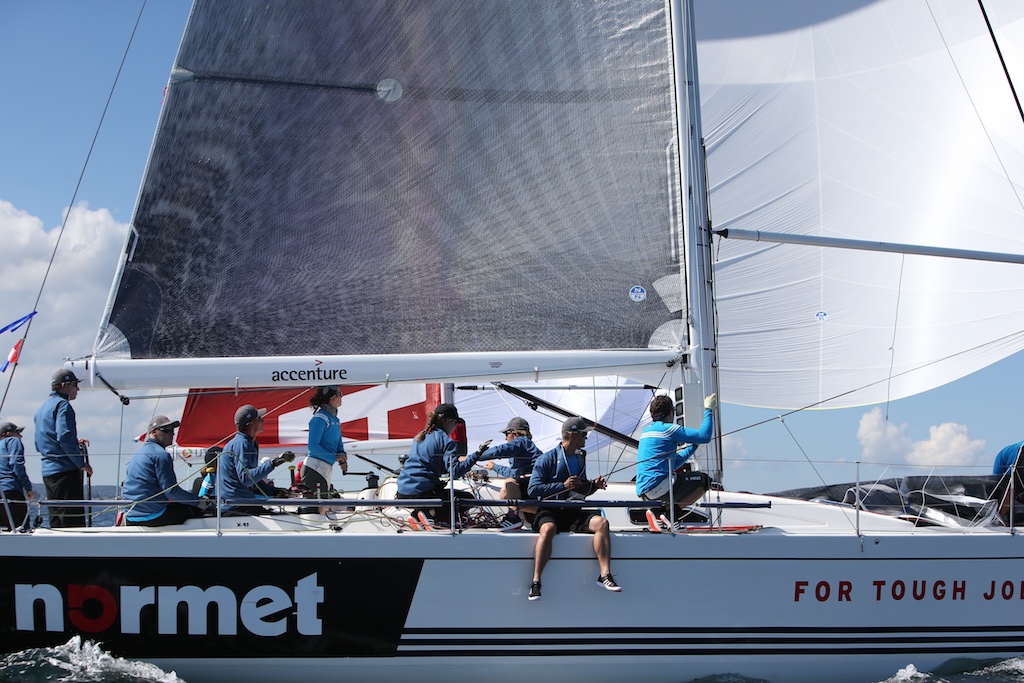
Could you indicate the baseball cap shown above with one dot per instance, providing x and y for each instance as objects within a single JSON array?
[
  {"x": 6, "y": 427},
  {"x": 329, "y": 391},
  {"x": 576, "y": 424},
  {"x": 211, "y": 454},
  {"x": 447, "y": 411},
  {"x": 162, "y": 422},
  {"x": 516, "y": 424},
  {"x": 247, "y": 414},
  {"x": 63, "y": 377}
]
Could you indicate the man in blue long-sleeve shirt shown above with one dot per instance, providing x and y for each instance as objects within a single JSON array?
[
  {"x": 659, "y": 464},
  {"x": 561, "y": 474},
  {"x": 14, "y": 481},
  {"x": 522, "y": 452},
  {"x": 56, "y": 437},
  {"x": 151, "y": 483},
  {"x": 240, "y": 471}
]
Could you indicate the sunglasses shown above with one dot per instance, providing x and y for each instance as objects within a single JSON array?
[{"x": 166, "y": 430}]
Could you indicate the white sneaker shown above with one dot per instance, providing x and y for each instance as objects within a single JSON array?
[
  {"x": 608, "y": 583},
  {"x": 511, "y": 522}
]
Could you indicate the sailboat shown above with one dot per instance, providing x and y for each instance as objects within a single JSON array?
[{"x": 509, "y": 192}]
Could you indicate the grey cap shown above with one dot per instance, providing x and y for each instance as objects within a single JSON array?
[
  {"x": 516, "y": 424},
  {"x": 162, "y": 422},
  {"x": 447, "y": 411},
  {"x": 248, "y": 413},
  {"x": 63, "y": 376},
  {"x": 576, "y": 424},
  {"x": 6, "y": 427}
]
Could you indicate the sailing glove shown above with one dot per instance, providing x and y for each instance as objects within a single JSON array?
[
  {"x": 711, "y": 402},
  {"x": 287, "y": 456}
]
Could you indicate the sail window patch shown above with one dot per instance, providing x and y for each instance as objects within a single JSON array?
[{"x": 389, "y": 90}]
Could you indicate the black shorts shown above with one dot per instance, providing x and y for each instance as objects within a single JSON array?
[
  {"x": 566, "y": 519},
  {"x": 685, "y": 485}
]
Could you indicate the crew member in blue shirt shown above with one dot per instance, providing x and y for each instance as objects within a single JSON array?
[
  {"x": 561, "y": 474},
  {"x": 56, "y": 436},
  {"x": 150, "y": 481},
  {"x": 324, "y": 442},
  {"x": 434, "y": 455},
  {"x": 240, "y": 471},
  {"x": 657, "y": 457},
  {"x": 522, "y": 452},
  {"x": 1007, "y": 461},
  {"x": 14, "y": 481}
]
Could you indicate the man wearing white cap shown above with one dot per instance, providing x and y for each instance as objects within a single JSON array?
[
  {"x": 150, "y": 481},
  {"x": 14, "y": 481}
]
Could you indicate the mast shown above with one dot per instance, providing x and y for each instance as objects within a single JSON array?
[{"x": 697, "y": 233}]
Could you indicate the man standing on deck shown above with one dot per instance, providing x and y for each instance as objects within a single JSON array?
[
  {"x": 56, "y": 437},
  {"x": 561, "y": 474}
]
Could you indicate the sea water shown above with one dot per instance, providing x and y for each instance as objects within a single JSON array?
[{"x": 80, "y": 661}]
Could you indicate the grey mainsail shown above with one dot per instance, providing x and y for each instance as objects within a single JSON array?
[{"x": 395, "y": 177}]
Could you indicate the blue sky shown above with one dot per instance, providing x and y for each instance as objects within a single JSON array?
[{"x": 60, "y": 60}]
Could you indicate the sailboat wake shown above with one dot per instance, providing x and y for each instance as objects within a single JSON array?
[{"x": 78, "y": 662}]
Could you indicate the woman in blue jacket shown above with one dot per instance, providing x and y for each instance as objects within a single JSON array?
[
  {"x": 434, "y": 455},
  {"x": 325, "y": 443}
]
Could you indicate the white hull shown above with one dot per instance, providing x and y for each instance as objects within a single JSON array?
[{"x": 781, "y": 604}]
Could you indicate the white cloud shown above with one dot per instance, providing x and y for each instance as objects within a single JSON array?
[
  {"x": 948, "y": 444},
  {"x": 65, "y": 326},
  {"x": 881, "y": 440}
]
